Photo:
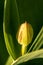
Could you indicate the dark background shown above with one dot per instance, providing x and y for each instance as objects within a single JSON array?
[{"x": 3, "y": 52}]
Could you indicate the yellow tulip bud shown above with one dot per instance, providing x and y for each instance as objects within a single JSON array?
[{"x": 25, "y": 35}]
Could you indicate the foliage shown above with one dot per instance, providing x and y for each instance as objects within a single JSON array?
[{"x": 15, "y": 13}]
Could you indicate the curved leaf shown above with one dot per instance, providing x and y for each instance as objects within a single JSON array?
[
  {"x": 29, "y": 56},
  {"x": 10, "y": 27}
]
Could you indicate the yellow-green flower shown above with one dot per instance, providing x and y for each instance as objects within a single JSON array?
[{"x": 24, "y": 35}]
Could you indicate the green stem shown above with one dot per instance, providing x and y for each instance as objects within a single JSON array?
[
  {"x": 38, "y": 43},
  {"x": 36, "y": 39},
  {"x": 24, "y": 49}
]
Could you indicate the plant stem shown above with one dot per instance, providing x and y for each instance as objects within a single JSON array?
[
  {"x": 24, "y": 49},
  {"x": 36, "y": 39},
  {"x": 37, "y": 43}
]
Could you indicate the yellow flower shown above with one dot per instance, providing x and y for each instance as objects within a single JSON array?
[{"x": 24, "y": 35}]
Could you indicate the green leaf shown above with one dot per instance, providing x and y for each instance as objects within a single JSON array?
[
  {"x": 38, "y": 42},
  {"x": 29, "y": 56},
  {"x": 9, "y": 61},
  {"x": 10, "y": 27}
]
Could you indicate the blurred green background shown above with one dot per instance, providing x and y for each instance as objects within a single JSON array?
[
  {"x": 33, "y": 13},
  {"x": 3, "y": 52}
]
